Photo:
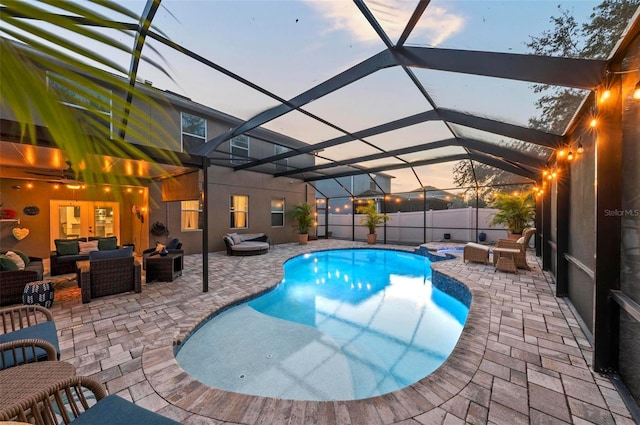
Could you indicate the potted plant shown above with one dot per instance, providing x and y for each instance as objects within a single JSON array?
[
  {"x": 303, "y": 215},
  {"x": 371, "y": 219},
  {"x": 515, "y": 212}
]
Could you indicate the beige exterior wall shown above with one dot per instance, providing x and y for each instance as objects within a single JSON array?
[{"x": 37, "y": 244}]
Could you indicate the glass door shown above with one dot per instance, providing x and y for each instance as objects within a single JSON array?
[{"x": 83, "y": 219}]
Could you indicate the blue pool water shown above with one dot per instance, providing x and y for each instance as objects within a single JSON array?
[{"x": 342, "y": 325}]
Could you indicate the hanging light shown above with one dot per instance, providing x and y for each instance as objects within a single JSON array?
[
  {"x": 570, "y": 155},
  {"x": 561, "y": 153},
  {"x": 593, "y": 122},
  {"x": 636, "y": 91},
  {"x": 605, "y": 95},
  {"x": 580, "y": 148}
]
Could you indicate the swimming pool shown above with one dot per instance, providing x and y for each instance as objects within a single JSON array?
[{"x": 342, "y": 325}]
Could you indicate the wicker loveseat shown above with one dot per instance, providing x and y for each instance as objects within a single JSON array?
[
  {"x": 109, "y": 272},
  {"x": 12, "y": 281},
  {"x": 68, "y": 251}
]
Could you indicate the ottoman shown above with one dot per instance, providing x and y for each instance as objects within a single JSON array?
[{"x": 39, "y": 292}]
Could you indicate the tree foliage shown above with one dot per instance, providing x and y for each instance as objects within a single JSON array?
[{"x": 51, "y": 78}]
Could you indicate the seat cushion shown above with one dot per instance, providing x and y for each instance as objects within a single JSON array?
[
  {"x": 113, "y": 253},
  {"x": 46, "y": 331},
  {"x": 250, "y": 246},
  {"x": 114, "y": 409}
]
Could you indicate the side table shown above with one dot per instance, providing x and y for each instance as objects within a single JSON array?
[
  {"x": 39, "y": 292},
  {"x": 164, "y": 268}
]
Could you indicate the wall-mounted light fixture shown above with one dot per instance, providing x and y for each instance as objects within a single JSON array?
[{"x": 636, "y": 91}]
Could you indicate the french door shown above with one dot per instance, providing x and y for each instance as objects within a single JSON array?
[{"x": 74, "y": 219}]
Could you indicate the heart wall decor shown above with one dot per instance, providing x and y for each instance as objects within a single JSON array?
[{"x": 20, "y": 233}]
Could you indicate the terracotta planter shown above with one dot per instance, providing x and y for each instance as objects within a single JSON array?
[
  {"x": 371, "y": 238},
  {"x": 303, "y": 238},
  {"x": 513, "y": 236}
]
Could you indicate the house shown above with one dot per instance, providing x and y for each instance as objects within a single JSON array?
[{"x": 165, "y": 188}]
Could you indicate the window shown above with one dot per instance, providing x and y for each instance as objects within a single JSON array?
[
  {"x": 92, "y": 102},
  {"x": 277, "y": 212},
  {"x": 194, "y": 132},
  {"x": 239, "y": 211},
  {"x": 281, "y": 164},
  {"x": 239, "y": 149},
  {"x": 191, "y": 215}
]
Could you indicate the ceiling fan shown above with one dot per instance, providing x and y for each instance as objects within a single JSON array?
[{"x": 66, "y": 176}]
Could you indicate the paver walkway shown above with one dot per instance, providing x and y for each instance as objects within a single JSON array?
[{"x": 522, "y": 357}]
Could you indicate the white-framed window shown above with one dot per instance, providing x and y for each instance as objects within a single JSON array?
[
  {"x": 194, "y": 131},
  {"x": 239, "y": 146},
  {"x": 190, "y": 215},
  {"x": 277, "y": 212},
  {"x": 93, "y": 101},
  {"x": 281, "y": 164},
  {"x": 239, "y": 211}
]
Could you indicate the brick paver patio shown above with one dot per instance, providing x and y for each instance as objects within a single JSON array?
[{"x": 522, "y": 357}]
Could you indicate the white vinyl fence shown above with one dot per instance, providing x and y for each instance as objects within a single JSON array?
[{"x": 418, "y": 227}]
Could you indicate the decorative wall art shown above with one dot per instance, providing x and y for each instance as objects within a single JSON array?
[
  {"x": 20, "y": 233},
  {"x": 31, "y": 210}
]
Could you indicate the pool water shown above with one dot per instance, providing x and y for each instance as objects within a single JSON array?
[{"x": 342, "y": 325}]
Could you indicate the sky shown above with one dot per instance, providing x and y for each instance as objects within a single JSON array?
[{"x": 289, "y": 46}]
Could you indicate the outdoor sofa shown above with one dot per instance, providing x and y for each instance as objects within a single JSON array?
[
  {"x": 68, "y": 251},
  {"x": 109, "y": 272}
]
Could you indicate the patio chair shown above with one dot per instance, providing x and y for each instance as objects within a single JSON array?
[
  {"x": 521, "y": 245},
  {"x": 108, "y": 273},
  {"x": 81, "y": 400},
  {"x": 28, "y": 334}
]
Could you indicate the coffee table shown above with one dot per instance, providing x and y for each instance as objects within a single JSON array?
[{"x": 164, "y": 268}]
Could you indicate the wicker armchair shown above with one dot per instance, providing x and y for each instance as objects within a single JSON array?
[
  {"x": 12, "y": 281},
  {"x": 99, "y": 278},
  {"x": 28, "y": 334},
  {"x": 72, "y": 400},
  {"x": 521, "y": 258},
  {"x": 22, "y": 351}
]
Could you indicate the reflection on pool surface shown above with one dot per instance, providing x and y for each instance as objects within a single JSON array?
[{"x": 342, "y": 324}]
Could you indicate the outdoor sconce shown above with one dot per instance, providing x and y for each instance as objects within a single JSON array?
[{"x": 636, "y": 91}]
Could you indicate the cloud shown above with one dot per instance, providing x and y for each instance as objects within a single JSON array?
[{"x": 435, "y": 26}]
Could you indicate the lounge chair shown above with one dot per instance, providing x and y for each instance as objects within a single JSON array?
[
  {"x": 521, "y": 245},
  {"x": 28, "y": 334},
  {"x": 71, "y": 400}
]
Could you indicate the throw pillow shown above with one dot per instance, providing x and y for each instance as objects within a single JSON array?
[
  {"x": 229, "y": 240},
  {"x": 16, "y": 259},
  {"x": 7, "y": 264},
  {"x": 67, "y": 248},
  {"x": 159, "y": 247},
  {"x": 236, "y": 238},
  {"x": 105, "y": 244},
  {"x": 173, "y": 244},
  {"x": 87, "y": 247},
  {"x": 521, "y": 240},
  {"x": 24, "y": 257}
]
